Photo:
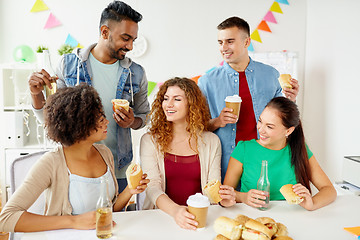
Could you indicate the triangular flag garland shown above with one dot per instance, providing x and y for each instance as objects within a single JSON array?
[
  {"x": 39, "y": 6},
  {"x": 71, "y": 41},
  {"x": 283, "y": 1},
  {"x": 276, "y": 8},
  {"x": 263, "y": 26},
  {"x": 256, "y": 36},
  {"x": 269, "y": 17},
  {"x": 52, "y": 22},
  {"x": 79, "y": 46}
]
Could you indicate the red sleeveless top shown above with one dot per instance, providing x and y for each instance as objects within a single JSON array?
[{"x": 183, "y": 176}]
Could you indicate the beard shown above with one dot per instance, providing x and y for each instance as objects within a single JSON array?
[{"x": 116, "y": 53}]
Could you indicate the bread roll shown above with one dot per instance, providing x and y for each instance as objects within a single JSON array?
[
  {"x": 120, "y": 103},
  {"x": 242, "y": 219},
  {"x": 269, "y": 223},
  {"x": 228, "y": 228},
  {"x": 281, "y": 230},
  {"x": 220, "y": 237},
  {"x": 133, "y": 175},
  {"x": 283, "y": 238},
  {"x": 284, "y": 80},
  {"x": 255, "y": 230},
  {"x": 289, "y": 195},
  {"x": 211, "y": 190}
]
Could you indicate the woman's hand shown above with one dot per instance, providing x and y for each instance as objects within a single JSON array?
[
  {"x": 184, "y": 219},
  {"x": 85, "y": 221},
  {"x": 255, "y": 198},
  {"x": 302, "y": 191},
  {"x": 227, "y": 194},
  {"x": 142, "y": 186}
]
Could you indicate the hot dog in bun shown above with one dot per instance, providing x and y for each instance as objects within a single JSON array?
[
  {"x": 288, "y": 193},
  {"x": 211, "y": 190},
  {"x": 228, "y": 228},
  {"x": 284, "y": 80},
  {"x": 255, "y": 230},
  {"x": 133, "y": 175},
  {"x": 281, "y": 230}
]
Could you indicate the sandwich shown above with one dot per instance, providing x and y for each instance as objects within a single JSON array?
[
  {"x": 284, "y": 80},
  {"x": 228, "y": 228},
  {"x": 242, "y": 219},
  {"x": 133, "y": 175},
  {"x": 269, "y": 223},
  {"x": 255, "y": 230},
  {"x": 283, "y": 238},
  {"x": 211, "y": 190},
  {"x": 288, "y": 193},
  {"x": 281, "y": 230},
  {"x": 120, "y": 103},
  {"x": 220, "y": 237}
]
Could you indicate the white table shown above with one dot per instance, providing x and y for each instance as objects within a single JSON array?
[{"x": 325, "y": 223}]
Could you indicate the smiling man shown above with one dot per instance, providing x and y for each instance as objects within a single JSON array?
[
  {"x": 255, "y": 82},
  {"x": 104, "y": 65}
]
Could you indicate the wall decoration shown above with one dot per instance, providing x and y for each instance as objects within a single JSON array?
[
  {"x": 39, "y": 6},
  {"x": 52, "y": 22},
  {"x": 71, "y": 41}
]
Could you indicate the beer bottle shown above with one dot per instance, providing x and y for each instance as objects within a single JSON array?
[
  {"x": 263, "y": 184},
  {"x": 104, "y": 211}
]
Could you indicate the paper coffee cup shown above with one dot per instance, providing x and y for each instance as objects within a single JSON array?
[
  {"x": 198, "y": 205},
  {"x": 234, "y": 102}
]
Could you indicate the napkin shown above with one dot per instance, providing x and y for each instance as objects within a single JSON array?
[{"x": 353, "y": 230}]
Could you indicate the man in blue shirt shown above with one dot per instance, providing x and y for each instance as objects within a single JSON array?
[{"x": 256, "y": 83}]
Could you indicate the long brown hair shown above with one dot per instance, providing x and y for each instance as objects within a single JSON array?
[
  {"x": 290, "y": 117},
  {"x": 198, "y": 114}
]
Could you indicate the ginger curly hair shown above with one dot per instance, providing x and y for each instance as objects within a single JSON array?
[
  {"x": 72, "y": 114},
  {"x": 198, "y": 114}
]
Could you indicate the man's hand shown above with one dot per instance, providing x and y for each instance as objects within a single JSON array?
[
  {"x": 123, "y": 118},
  {"x": 291, "y": 93},
  {"x": 38, "y": 80},
  {"x": 226, "y": 116}
]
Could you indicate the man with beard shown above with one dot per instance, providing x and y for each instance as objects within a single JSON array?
[{"x": 105, "y": 66}]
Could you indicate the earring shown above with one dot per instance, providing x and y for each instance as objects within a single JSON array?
[{"x": 286, "y": 136}]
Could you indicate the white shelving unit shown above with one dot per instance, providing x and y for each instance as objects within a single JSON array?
[{"x": 21, "y": 134}]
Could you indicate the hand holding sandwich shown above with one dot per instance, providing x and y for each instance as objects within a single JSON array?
[
  {"x": 227, "y": 195},
  {"x": 303, "y": 192},
  {"x": 292, "y": 92}
]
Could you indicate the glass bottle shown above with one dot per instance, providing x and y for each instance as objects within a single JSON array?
[
  {"x": 263, "y": 184},
  {"x": 48, "y": 67},
  {"x": 104, "y": 211}
]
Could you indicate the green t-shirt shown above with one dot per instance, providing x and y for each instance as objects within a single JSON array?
[{"x": 280, "y": 172}]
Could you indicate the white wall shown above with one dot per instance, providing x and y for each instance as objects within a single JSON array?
[
  {"x": 182, "y": 41},
  {"x": 332, "y": 82}
]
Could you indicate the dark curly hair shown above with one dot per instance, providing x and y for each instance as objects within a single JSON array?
[
  {"x": 72, "y": 113},
  {"x": 198, "y": 113}
]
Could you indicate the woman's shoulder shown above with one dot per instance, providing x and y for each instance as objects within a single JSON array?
[
  {"x": 102, "y": 148},
  {"x": 209, "y": 136}
]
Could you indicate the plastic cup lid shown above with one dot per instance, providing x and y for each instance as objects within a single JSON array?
[
  {"x": 234, "y": 98},
  {"x": 198, "y": 200}
]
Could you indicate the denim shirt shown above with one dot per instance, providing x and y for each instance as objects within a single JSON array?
[
  {"x": 132, "y": 86},
  {"x": 223, "y": 81}
]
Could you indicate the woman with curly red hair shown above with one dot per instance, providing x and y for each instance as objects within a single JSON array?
[{"x": 178, "y": 153}]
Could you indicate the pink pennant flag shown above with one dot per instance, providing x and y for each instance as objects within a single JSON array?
[
  {"x": 269, "y": 17},
  {"x": 52, "y": 22}
]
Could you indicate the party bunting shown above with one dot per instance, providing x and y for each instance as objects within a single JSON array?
[
  {"x": 52, "y": 22},
  {"x": 71, "y": 41},
  {"x": 256, "y": 36},
  {"x": 79, "y": 46},
  {"x": 251, "y": 47},
  {"x": 39, "y": 6},
  {"x": 276, "y": 8},
  {"x": 283, "y": 1},
  {"x": 151, "y": 86},
  {"x": 269, "y": 17},
  {"x": 196, "y": 78},
  {"x": 264, "y": 26}
]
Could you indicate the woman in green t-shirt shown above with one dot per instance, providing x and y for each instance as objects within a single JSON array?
[{"x": 282, "y": 144}]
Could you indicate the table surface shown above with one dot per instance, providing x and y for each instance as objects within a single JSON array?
[{"x": 325, "y": 223}]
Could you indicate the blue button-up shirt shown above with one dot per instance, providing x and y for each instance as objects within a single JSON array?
[{"x": 223, "y": 81}]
